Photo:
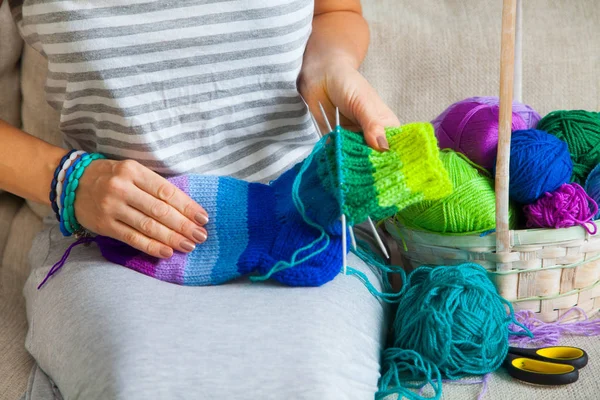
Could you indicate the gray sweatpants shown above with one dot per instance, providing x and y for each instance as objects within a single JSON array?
[{"x": 102, "y": 331}]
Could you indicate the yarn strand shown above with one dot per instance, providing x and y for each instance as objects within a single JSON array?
[
  {"x": 451, "y": 323},
  {"x": 323, "y": 235},
  {"x": 568, "y": 206},
  {"x": 63, "y": 260},
  {"x": 550, "y": 333}
]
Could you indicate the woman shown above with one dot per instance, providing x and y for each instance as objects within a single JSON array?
[{"x": 167, "y": 88}]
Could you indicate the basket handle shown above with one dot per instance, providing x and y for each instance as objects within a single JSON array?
[
  {"x": 518, "y": 85},
  {"x": 507, "y": 75}
]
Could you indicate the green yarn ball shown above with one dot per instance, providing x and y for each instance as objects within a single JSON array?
[
  {"x": 471, "y": 208},
  {"x": 581, "y": 130}
]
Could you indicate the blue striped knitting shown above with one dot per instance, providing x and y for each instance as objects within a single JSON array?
[{"x": 252, "y": 229}]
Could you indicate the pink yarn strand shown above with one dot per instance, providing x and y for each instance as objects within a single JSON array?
[
  {"x": 550, "y": 333},
  {"x": 568, "y": 206}
]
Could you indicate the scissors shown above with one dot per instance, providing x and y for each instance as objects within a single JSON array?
[{"x": 554, "y": 365}]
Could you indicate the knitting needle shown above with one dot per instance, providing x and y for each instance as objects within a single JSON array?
[
  {"x": 344, "y": 248},
  {"x": 316, "y": 124},
  {"x": 352, "y": 237},
  {"x": 350, "y": 229},
  {"x": 379, "y": 241},
  {"x": 325, "y": 117},
  {"x": 377, "y": 237},
  {"x": 343, "y": 217}
]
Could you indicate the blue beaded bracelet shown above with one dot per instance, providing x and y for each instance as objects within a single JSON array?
[
  {"x": 55, "y": 181},
  {"x": 68, "y": 222},
  {"x": 63, "y": 229}
]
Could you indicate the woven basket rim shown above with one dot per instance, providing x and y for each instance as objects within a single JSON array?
[{"x": 518, "y": 237}]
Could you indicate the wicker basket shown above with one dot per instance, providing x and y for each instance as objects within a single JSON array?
[{"x": 547, "y": 271}]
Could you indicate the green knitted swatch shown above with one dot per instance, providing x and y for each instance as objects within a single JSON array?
[{"x": 378, "y": 184}]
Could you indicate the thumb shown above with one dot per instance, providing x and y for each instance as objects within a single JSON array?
[{"x": 373, "y": 116}]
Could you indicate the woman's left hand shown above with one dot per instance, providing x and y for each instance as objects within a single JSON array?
[{"x": 361, "y": 109}]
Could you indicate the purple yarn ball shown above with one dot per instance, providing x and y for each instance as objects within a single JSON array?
[
  {"x": 471, "y": 127},
  {"x": 569, "y": 205}
]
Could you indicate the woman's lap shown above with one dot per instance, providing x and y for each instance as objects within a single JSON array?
[{"x": 101, "y": 331}]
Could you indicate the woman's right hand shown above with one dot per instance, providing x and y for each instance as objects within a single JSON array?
[{"x": 131, "y": 203}]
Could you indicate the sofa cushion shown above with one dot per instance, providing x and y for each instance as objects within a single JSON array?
[
  {"x": 39, "y": 119},
  {"x": 15, "y": 362},
  {"x": 9, "y": 205},
  {"x": 10, "y": 52}
]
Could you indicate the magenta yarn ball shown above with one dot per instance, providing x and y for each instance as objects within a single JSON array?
[{"x": 471, "y": 127}]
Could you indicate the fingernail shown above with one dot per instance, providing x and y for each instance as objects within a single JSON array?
[
  {"x": 201, "y": 219},
  {"x": 187, "y": 245},
  {"x": 199, "y": 236},
  {"x": 166, "y": 252},
  {"x": 383, "y": 143}
]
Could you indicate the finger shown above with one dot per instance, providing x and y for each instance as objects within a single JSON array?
[
  {"x": 166, "y": 215},
  {"x": 155, "y": 230},
  {"x": 362, "y": 105},
  {"x": 373, "y": 116},
  {"x": 162, "y": 189},
  {"x": 137, "y": 240}
]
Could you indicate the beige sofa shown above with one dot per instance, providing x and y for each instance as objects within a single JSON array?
[{"x": 425, "y": 55}]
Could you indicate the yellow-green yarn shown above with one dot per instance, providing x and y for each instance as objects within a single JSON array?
[
  {"x": 471, "y": 208},
  {"x": 356, "y": 194},
  {"x": 425, "y": 175},
  {"x": 377, "y": 184},
  {"x": 389, "y": 180}
]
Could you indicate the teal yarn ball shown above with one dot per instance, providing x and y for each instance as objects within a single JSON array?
[
  {"x": 451, "y": 322},
  {"x": 592, "y": 186},
  {"x": 539, "y": 163}
]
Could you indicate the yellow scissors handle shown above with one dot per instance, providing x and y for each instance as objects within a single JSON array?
[
  {"x": 540, "y": 372},
  {"x": 573, "y": 356}
]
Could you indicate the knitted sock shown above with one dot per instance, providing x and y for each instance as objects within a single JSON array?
[
  {"x": 257, "y": 228},
  {"x": 252, "y": 227}
]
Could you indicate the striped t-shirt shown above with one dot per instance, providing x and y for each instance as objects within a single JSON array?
[{"x": 203, "y": 86}]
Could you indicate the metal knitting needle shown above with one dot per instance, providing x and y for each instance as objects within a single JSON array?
[
  {"x": 379, "y": 241},
  {"x": 373, "y": 229},
  {"x": 344, "y": 248},
  {"x": 343, "y": 217},
  {"x": 316, "y": 124},
  {"x": 352, "y": 237},
  {"x": 350, "y": 229},
  {"x": 325, "y": 117}
]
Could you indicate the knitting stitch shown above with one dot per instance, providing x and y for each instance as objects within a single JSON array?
[
  {"x": 260, "y": 229},
  {"x": 379, "y": 184},
  {"x": 251, "y": 228}
]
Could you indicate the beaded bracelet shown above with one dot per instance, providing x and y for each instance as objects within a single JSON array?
[
  {"x": 61, "y": 176},
  {"x": 61, "y": 200},
  {"x": 54, "y": 183},
  {"x": 68, "y": 222}
]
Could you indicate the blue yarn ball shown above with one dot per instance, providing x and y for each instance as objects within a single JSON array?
[
  {"x": 539, "y": 163},
  {"x": 592, "y": 186}
]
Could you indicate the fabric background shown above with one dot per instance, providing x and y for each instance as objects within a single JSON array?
[{"x": 427, "y": 54}]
